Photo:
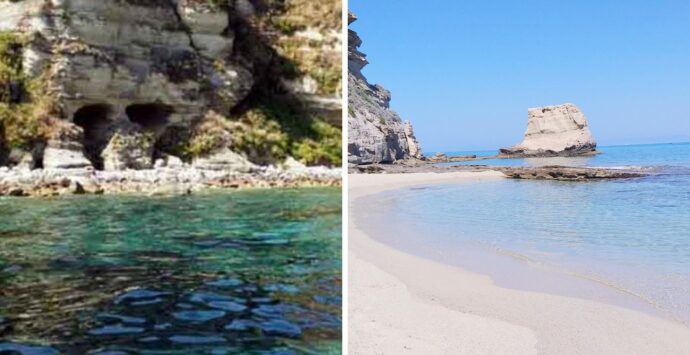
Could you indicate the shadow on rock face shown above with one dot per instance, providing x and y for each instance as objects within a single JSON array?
[{"x": 4, "y": 151}]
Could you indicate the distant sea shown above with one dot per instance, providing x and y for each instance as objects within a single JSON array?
[{"x": 629, "y": 237}]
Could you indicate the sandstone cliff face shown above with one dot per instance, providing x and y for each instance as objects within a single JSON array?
[
  {"x": 560, "y": 130},
  {"x": 376, "y": 133},
  {"x": 132, "y": 74}
]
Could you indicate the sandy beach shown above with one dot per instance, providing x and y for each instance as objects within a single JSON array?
[{"x": 399, "y": 303}]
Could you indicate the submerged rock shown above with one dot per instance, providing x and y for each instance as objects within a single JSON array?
[
  {"x": 118, "y": 329},
  {"x": 4, "y": 324},
  {"x": 229, "y": 306},
  {"x": 120, "y": 318},
  {"x": 563, "y": 173},
  {"x": 206, "y": 297},
  {"x": 554, "y": 131},
  {"x": 198, "y": 316},
  {"x": 242, "y": 325},
  {"x": 225, "y": 283},
  {"x": 140, "y": 295},
  {"x": 281, "y": 328},
  {"x": 282, "y": 288},
  {"x": 22, "y": 349},
  {"x": 196, "y": 339}
]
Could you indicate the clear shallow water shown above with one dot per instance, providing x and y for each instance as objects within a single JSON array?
[
  {"x": 630, "y": 235},
  {"x": 671, "y": 155},
  {"x": 241, "y": 272}
]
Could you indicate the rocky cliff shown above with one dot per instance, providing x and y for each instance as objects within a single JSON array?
[
  {"x": 119, "y": 84},
  {"x": 376, "y": 133},
  {"x": 560, "y": 130}
]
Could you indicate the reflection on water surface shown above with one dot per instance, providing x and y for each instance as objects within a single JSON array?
[{"x": 243, "y": 272}]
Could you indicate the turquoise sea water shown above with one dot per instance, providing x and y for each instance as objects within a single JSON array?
[
  {"x": 217, "y": 273},
  {"x": 632, "y": 236}
]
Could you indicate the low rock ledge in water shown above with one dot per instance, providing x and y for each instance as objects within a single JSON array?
[{"x": 564, "y": 173}]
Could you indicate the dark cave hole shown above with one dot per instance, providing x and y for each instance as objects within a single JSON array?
[
  {"x": 171, "y": 142},
  {"x": 149, "y": 116},
  {"x": 95, "y": 120}
]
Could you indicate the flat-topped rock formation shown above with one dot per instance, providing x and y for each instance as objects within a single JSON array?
[
  {"x": 376, "y": 133},
  {"x": 564, "y": 173},
  {"x": 560, "y": 130}
]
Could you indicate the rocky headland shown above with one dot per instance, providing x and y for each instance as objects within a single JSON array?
[
  {"x": 123, "y": 95},
  {"x": 376, "y": 133},
  {"x": 560, "y": 130}
]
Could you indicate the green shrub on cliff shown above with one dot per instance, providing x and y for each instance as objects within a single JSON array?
[
  {"x": 324, "y": 149},
  {"x": 309, "y": 140},
  {"x": 26, "y": 109},
  {"x": 265, "y": 135},
  {"x": 258, "y": 136},
  {"x": 11, "y": 76}
]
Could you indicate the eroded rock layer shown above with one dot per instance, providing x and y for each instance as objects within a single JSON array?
[
  {"x": 376, "y": 133},
  {"x": 560, "y": 130},
  {"x": 128, "y": 73}
]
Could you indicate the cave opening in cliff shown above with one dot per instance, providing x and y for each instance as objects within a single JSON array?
[
  {"x": 97, "y": 125},
  {"x": 149, "y": 116}
]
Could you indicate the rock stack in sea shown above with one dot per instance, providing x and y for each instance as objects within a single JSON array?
[
  {"x": 376, "y": 133},
  {"x": 117, "y": 85},
  {"x": 560, "y": 130}
]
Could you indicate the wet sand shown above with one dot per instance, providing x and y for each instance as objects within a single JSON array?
[{"x": 399, "y": 303}]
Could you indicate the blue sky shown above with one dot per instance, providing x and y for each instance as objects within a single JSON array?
[{"x": 465, "y": 72}]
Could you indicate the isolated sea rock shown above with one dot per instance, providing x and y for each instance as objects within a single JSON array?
[
  {"x": 560, "y": 130},
  {"x": 376, "y": 133}
]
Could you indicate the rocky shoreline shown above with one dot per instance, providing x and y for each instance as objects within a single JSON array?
[
  {"x": 566, "y": 173},
  {"x": 553, "y": 172},
  {"x": 159, "y": 181}
]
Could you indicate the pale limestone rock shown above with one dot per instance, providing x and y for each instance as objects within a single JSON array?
[
  {"x": 173, "y": 162},
  {"x": 159, "y": 164},
  {"x": 128, "y": 149},
  {"x": 376, "y": 134},
  {"x": 153, "y": 63},
  {"x": 224, "y": 159},
  {"x": 412, "y": 143},
  {"x": 158, "y": 65},
  {"x": 555, "y": 130},
  {"x": 290, "y": 164},
  {"x": 55, "y": 157},
  {"x": 64, "y": 150},
  {"x": 207, "y": 26}
]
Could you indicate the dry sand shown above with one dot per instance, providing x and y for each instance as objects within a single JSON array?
[{"x": 403, "y": 304}]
